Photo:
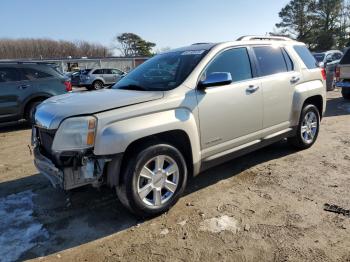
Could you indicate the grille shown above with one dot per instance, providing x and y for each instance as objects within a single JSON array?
[{"x": 45, "y": 140}]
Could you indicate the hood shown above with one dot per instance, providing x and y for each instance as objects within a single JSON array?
[{"x": 52, "y": 111}]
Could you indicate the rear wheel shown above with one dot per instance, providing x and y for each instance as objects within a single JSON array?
[
  {"x": 346, "y": 93},
  {"x": 153, "y": 180},
  {"x": 308, "y": 128}
]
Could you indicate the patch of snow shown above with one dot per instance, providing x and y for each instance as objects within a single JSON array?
[
  {"x": 182, "y": 223},
  {"x": 164, "y": 231},
  {"x": 19, "y": 230},
  {"x": 216, "y": 225}
]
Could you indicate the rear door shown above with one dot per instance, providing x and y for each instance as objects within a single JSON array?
[
  {"x": 13, "y": 91},
  {"x": 278, "y": 79},
  {"x": 109, "y": 77}
]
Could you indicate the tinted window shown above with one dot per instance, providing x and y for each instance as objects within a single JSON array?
[
  {"x": 346, "y": 58},
  {"x": 98, "y": 72},
  {"x": 337, "y": 56},
  {"x": 8, "y": 74},
  {"x": 107, "y": 71},
  {"x": 319, "y": 57},
  {"x": 270, "y": 60},
  {"x": 306, "y": 56},
  {"x": 235, "y": 61},
  {"x": 32, "y": 74}
]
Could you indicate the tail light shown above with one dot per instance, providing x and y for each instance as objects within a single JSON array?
[
  {"x": 68, "y": 85},
  {"x": 323, "y": 72},
  {"x": 337, "y": 74}
]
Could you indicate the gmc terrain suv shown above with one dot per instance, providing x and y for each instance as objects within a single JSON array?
[
  {"x": 148, "y": 134},
  {"x": 24, "y": 85}
]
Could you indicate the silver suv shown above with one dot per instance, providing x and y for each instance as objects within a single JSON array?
[
  {"x": 178, "y": 114},
  {"x": 96, "y": 79}
]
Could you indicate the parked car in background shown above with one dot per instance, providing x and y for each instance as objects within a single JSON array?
[
  {"x": 329, "y": 60},
  {"x": 76, "y": 77},
  {"x": 98, "y": 78},
  {"x": 181, "y": 113},
  {"x": 24, "y": 85},
  {"x": 342, "y": 75}
]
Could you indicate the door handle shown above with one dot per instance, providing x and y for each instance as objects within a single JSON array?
[
  {"x": 294, "y": 79},
  {"x": 23, "y": 87},
  {"x": 252, "y": 89}
]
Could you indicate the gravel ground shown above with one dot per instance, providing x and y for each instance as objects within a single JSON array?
[{"x": 266, "y": 206}]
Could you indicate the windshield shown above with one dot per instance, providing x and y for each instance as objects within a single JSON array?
[
  {"x": 162, "y": 72},
  {"x": 319, "y": 57}
]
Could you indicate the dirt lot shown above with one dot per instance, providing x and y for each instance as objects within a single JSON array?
[{"x": 266, "y": 206}]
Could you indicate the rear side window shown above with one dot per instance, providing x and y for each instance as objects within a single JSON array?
[
  {"x": 289, "y": 62},
  {"x": 270, "y": 60},
  {"x": 33, "y": 74},
  {"x": 235, "y": 61},
  {"x": 306, "y": 56},
  {"x": 8, "y": 74},
  {"x": 346, "y": 58}
]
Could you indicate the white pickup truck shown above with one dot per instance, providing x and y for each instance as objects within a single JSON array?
[{"x": 342, "y": 75}]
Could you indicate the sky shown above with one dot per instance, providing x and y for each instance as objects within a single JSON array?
[{"x": 167, "y": 23}]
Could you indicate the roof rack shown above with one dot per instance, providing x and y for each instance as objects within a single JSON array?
[
  {"x": 25, "y": 62},
  {"x": 201, "y": 43},
  {"x": 257, "y": 37}
]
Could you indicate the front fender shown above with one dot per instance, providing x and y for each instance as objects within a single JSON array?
[{"x": 114, "y": 138}]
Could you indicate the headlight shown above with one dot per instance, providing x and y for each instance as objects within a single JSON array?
[{"x": 76, "y": 133}]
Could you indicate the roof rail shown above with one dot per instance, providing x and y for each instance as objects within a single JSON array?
[
  {"x": 201, "y": 43},
  {"x": 25, "y": 62},
  {"x": 257, "y": 37}
]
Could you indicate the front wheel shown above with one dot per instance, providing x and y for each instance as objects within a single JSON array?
[
  {"x": 153, "y": 180},
  {"x": 308, "y": 128},
  {"x": 97, "y": 85}
]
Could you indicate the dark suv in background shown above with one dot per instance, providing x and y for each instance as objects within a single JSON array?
[{"x": 24, "y": 85}]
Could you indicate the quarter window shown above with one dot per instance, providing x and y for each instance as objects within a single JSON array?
[
  {"x": 235, "y": 61},
  {"x": 306, "y": 56},
  {"x": 270, "y": 60}
]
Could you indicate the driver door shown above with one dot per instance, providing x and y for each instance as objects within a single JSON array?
[{"x": 230, "y": 115}]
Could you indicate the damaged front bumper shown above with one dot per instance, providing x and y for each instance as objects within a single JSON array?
[{"x": 88, "y": 172}]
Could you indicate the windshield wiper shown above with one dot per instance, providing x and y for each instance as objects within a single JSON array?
[{"x": 132, "y": 87}]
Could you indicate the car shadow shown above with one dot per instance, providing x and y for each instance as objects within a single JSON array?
[
  {"x": 88, "y": 214},
  {"x": 14, "y": 126},
  {"x": 337, "y": 106}
]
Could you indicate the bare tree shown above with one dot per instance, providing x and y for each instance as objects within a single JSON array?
[{"x": 46, "y": 48}]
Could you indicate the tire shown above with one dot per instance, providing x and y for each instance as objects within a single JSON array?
[
  {"x": 345, "y": 93},
  {"x": 29, "y": 112},
  {"x": 97, "y": 85},
  {"x": 132, "y": 191},
  {"x": 307, "y": 133}
]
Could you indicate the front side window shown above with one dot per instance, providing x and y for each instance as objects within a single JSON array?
[
  {"x": 270, "y": 60},
  {"x": 8, "y": 74},
  {"x": 162, "y": 72},
  {"x": 235, "y": 61},
  {"x": 98, "y": 72}
]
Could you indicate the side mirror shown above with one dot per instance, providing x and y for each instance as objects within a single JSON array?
[{"x": 216, "y": 79}]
